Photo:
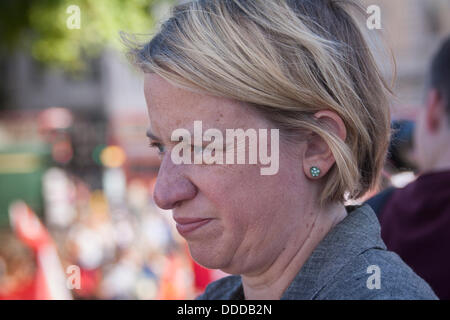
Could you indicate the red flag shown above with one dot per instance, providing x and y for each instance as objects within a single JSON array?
[{"x": 50, "y": 280}]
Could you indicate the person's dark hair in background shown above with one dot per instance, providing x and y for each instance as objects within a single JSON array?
[
  {"x": 415, "y": 220},
  {"x": 401, "y": 146},
  {"x": 440, "y": 75}
]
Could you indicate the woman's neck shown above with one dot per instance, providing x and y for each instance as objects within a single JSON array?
[{"x": 273, "y": 280}]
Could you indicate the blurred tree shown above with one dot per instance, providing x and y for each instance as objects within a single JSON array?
[{"x": 41, "y": 27}]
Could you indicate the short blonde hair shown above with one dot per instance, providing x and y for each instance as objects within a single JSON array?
[{"x": 289, "y": 59}]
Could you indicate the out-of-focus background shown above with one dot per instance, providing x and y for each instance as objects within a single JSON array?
[{"x": 77, "y": 219}]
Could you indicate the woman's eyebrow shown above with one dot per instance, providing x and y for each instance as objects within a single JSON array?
[{"x": 150, "y": 135}]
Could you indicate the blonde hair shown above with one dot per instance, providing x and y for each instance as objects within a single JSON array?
[{"x": 288, "y": 59}]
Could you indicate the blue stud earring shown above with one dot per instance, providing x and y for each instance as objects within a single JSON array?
[{"x": 315, "y": 172}]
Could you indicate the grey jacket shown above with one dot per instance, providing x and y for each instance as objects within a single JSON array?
[{"x": 351, "y": 262}]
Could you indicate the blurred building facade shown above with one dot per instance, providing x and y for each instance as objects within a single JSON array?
[
  {"x": 108, "y": 85},
  {"x": 107, "y": 101},
  {"x": 413, "y": 30}
]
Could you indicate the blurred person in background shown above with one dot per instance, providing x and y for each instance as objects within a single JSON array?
[
  {"x": 302, "y": 67},
  {"x": 415, "y": 220}
]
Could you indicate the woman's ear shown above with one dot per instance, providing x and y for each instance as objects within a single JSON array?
[{"x": 318, "y": 158}]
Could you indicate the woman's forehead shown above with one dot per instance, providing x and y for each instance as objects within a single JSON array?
[{"x": 171, "y": 104}]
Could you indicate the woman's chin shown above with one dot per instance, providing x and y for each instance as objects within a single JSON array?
[{"x": 211, "y": 259}]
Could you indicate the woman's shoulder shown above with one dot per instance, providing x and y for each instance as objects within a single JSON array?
[
  {"x": 376, "y": 274},
  {"x": 227, "y": 288}
]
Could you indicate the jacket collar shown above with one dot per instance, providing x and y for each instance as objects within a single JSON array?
[{"x": 357, "y": 233}]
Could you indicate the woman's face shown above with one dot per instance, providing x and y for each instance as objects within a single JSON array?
[{"x": 232, "y": 217}]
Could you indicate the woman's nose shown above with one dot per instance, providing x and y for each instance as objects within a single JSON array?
[{"x": 172, "y": 187}]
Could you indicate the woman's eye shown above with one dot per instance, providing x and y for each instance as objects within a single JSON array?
[{"x": 159, "y": 146}]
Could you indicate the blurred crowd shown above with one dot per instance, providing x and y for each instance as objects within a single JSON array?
[{"x": 110, "y": 242}]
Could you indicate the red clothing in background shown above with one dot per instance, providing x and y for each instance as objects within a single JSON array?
[{"x": 415, "y": 223}]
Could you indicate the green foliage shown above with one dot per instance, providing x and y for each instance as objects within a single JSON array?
[{"x": 40, "y": 26}]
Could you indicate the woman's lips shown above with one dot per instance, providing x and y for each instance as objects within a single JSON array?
[{"x": 187, "y": 225}]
